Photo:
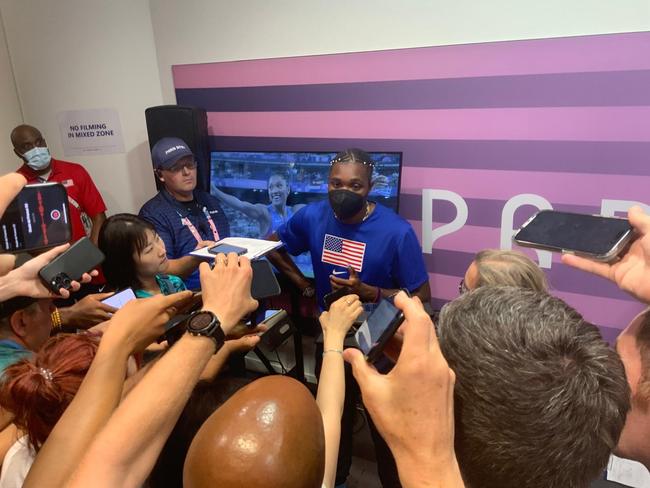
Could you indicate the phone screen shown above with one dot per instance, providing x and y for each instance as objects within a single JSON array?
[
  {"x": 37, "y": 218},
  {"x": 382, "y": 318},
  {"x": 586, "y": 234},
  {"x": 226, "y": 249},
  {"x": 120, "y": 299}
]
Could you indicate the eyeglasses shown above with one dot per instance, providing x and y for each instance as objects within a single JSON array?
[
  {"x": 179, "y": 166},
  {"x": 462, "y": 287}
]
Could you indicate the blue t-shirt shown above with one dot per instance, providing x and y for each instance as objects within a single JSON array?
[
  {"x": 11, "y": 352},
  {"x": 167, "y": 215},
  {"x": 384, "y": 247}
]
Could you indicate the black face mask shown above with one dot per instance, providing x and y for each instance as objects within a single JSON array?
[{"x": 345, "y": 203}]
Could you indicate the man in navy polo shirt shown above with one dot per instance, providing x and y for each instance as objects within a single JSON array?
[
  {"x": 185, "y": 218},
  {"x": 362, "y": 245}
]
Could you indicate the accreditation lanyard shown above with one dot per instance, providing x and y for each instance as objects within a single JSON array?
[{"x": 190, "y": 226}]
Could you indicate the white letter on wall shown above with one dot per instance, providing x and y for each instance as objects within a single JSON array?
[
  {"x": 608, "y": 208},
  {"x": 507, "y": 220},
  {"x": 429, "y": 235}
]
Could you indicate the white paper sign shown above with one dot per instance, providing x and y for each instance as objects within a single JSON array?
[{"x": 94, "y": 131}]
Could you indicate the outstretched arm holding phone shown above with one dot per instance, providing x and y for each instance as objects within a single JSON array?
[
  {"x": 331, "y": 385},
  {"x": 413, "y": 405},
  {"x": 131, "y": 329},
  {"x": 632, "y": 272},
  {"x": 151, "y": 409}
]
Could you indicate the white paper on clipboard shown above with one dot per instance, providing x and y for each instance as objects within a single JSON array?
[{"x": 255, "y": 248}]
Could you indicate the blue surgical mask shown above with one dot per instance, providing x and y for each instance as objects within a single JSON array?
[{"x": 38, "y": 158}]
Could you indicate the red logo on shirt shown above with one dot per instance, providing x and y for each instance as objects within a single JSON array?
[{"x": 55, "y": 214}]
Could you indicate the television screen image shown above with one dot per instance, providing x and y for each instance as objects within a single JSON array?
[{"x": 261, "y": 190}]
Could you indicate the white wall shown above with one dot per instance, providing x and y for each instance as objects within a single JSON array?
[
  {"x": 10, "y": 115},
  {"x": 199, "y": 31},
  {"x": 82, "y": 54},
  {"x": 79, "y": 54}
]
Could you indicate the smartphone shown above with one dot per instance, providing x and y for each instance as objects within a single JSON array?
[
  {"x": 279, "y": 329},
  {"x": 335, "y": 295},
  {"x": 264, "y": 284},
  {"x": 591, "y": 236},
  {"x": 37, "y": 218},
  {"x": 120, "y": 298},
  {"x": 83, "y": 256},
  {"x": 227, "y": 248},
  {"x": 373, "y": 334}
]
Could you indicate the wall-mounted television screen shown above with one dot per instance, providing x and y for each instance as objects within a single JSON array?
[{"x": 261, "y": 190}]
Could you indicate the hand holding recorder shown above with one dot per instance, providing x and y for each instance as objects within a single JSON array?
[
  {"x": 226, "y": 289},
  {"x": 25, "y": 280},
  {"x": 632, "y": 272},
  {"x": 140, "y": 322},
  {"x": 413, "y": 405}
]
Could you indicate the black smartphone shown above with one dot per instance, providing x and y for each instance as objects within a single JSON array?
[
  {"x": 591, "y": 236},
  {"x": 264, "y": 284},
  {"x": 335, "y": 295},
  {"x": 279, "y": 330},
  {"x": 373, "y": 334},
  {"x": 227, "y": 248},
  {"x": 83, "y": 256},
  {"x": 37, "y": 218}
]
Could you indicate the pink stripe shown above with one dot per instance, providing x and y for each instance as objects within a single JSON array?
[
  {"x": 567, "y": 188},
  {"x": 601, "y": 311},
  {"x": 560, "y": 55},
  {"x": 559, "y": 124}
]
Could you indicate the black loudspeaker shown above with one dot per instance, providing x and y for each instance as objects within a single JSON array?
[{"x": 188, "y": 123}]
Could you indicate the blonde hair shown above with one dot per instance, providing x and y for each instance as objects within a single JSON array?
[{"x": 496, "y": 267}]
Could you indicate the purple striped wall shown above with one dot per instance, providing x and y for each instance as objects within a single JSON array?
[{"x": 566, "y": 118}]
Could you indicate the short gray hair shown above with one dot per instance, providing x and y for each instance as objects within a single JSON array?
[
  {"x": 508, "y": 268},
  {"x": 540, "y": 398}
]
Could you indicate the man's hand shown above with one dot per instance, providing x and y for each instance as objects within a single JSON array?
[
  {"x": 632, "y": 272},
  {"x": 227, "y": 289},
  {"x": 25, "y": 280},
  {"x": 413, "y": 405},
  {"x": 365, "y": 292},
  {"x": 342, "y": 313},
  {"x": 243, "y": 344},
  {"x": 202, "y": 244},
  {"x": 87, "y": 312},
  {"x": 140, "y": 322}
]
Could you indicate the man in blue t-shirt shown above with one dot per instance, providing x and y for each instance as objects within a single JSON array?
[
  {"x": 185, "y": 218},
  {"x": 361, "y": 245},
  {"x": 353, "y": 242}
]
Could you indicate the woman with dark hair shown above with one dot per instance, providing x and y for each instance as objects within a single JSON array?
[
  {"x": 136, "y": 257},
  {"x": 37, "y": 391}
]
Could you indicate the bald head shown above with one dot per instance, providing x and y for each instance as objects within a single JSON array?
[
  {"x": 25, "y": 137},
  {"x": 270, "y": 433}
]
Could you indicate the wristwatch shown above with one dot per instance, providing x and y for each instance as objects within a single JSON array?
[{"x": 205, "y": 323}]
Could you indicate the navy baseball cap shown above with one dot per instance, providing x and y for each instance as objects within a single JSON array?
[{"x": 167, "y": 151}]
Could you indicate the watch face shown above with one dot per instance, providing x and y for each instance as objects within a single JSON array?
[{"x": 200, "y": 321}]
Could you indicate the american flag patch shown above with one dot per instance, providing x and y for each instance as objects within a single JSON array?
[{"x": 343, "y": 252}]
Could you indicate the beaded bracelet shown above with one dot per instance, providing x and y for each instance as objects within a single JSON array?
[{"x": 57, "y": 323}]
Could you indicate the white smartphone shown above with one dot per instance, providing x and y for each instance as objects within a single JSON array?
[{"x": 120, "y": 299}]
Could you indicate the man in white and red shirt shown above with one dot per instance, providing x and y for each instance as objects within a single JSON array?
[
  {"x": 87, "y": 213},
  {"x": 87, "y": 208}
]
